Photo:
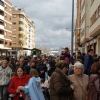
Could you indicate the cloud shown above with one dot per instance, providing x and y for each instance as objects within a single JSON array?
[{"x": 51, "y": 18}]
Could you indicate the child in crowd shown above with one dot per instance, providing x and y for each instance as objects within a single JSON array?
[{"x": 32, "y": 89}]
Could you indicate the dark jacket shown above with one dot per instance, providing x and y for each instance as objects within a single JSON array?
[
  {"x": 41, "y": 67},
  {"x": 88, "y": 61},
  {"x": 52, "y": 67},
  {"x": 67, "y": 56},
  {"x": 26, "y": 68},
  {"x": 72, "y": 59},
  {"x": 82, "y": 58},
  {"x": 60, "y": 86}
]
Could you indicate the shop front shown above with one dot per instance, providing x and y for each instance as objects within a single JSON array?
[{"x": 92, "y": 44}]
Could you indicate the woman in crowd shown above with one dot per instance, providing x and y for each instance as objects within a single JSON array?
[
  {"x": 33, "y": 64},
  {"x": 60, "y": 85},
  {"x": 5, "y": 71},
  {"x": 79, "y": 81},
  {"x": 66, "y": 55},
  {"x": 71, "y": 69},
  {"x": 94, "y": 82},
  {"x": 19, "y": 80}
]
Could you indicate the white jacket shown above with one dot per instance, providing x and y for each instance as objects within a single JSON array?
[{"x": 5, "y": 75}]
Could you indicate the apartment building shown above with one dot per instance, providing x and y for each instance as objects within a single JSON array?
[
  {"x": 90, "y": 25},
  {"x": 78, "y": 26},
  {"x": 5, "y": 24},
  {"x": 22, "y": 31},
  {"x": 94, "y": 31}
]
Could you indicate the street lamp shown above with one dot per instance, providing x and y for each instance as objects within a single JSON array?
[
  {"x": 78, "y": 29},
  {"x": 72, "y": 31}
]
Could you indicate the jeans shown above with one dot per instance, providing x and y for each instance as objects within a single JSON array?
[{"x": 3, "y": 92}]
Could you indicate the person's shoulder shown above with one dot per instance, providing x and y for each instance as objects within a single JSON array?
[
  {"x": 14, "y": 78},
  {"x": 8, "y": 68},
  {"x": 55, "y": 74},
  {"x": 27, "y": 76},
  {"x": 86, "y": 76},
  {"x": 93, "y": 75},
  {"x": 71, "y": 76},
  {"x": 86, "y": 55}
]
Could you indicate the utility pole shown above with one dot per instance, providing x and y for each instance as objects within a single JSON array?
[{"x": 72, "y": 31}]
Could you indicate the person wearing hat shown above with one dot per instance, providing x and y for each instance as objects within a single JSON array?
[{"x": 79, "y": 81}]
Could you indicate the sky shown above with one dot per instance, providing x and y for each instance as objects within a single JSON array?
[{"x": 52, "y": 20}]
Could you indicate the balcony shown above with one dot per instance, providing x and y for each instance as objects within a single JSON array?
[
  {"x": 2, "y": 0},
  {"x": 1, "y": 36},
  {"x": 1, "y": 17},
  {"x": 1, "y": 24},
  {"x": 2, "y": 46},
  {"x": 1, "y": 27},
  {"x": 1, "y": 7}
]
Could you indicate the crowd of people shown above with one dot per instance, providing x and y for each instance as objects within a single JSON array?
[{"x": 65, "y": 77}]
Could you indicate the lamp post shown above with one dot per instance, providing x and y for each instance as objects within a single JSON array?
[{"x": 72, "y": 30}]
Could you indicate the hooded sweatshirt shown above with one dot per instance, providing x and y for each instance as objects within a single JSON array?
[{"x": 35, "y": 89}]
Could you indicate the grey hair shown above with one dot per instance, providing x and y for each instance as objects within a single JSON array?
[
  {"x": 4, "y": 61},
  {"x": 78, "y": 65}
]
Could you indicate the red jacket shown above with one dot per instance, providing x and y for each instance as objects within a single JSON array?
[{"x": 15, "y": 82}]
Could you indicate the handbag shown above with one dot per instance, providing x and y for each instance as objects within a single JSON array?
[{"x": 85, "y": 93}]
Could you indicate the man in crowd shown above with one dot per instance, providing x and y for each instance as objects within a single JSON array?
[{"x": 88, "y": 61}]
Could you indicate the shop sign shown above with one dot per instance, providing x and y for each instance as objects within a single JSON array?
[{"x": 91, "y": 42}]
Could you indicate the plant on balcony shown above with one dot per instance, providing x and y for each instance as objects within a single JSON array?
[
  {"x": 21, "y": 36},
  {"x": 21, "y": 42}
]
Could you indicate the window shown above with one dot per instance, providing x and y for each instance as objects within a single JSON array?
[
  {"x": 5, "y": 33},
  {"x": 21, "y": 22},
  {"x": 5, "y": 24},
  {"x": 14, "y": 42},
  {"x": 14, "y": 29},
  {"x": 5, "y": 6},
  {"x": 10, "y": 35},
  {"x": 10, "y": 18},
  {"x": 10, "y": 9},
  {"x": 14, "y": 16},
  {"x": 5, "y": 15},
  {"x": 9, "y": 26},
  {"x": 95, "y": 16},
  {"x": 21, "y": 29},
  {"x": 5, "y": 42},
  {"x": 14, "y": 23},
  {"x": 21, "y": 16},
  {"x": 14, "y": 36}
]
